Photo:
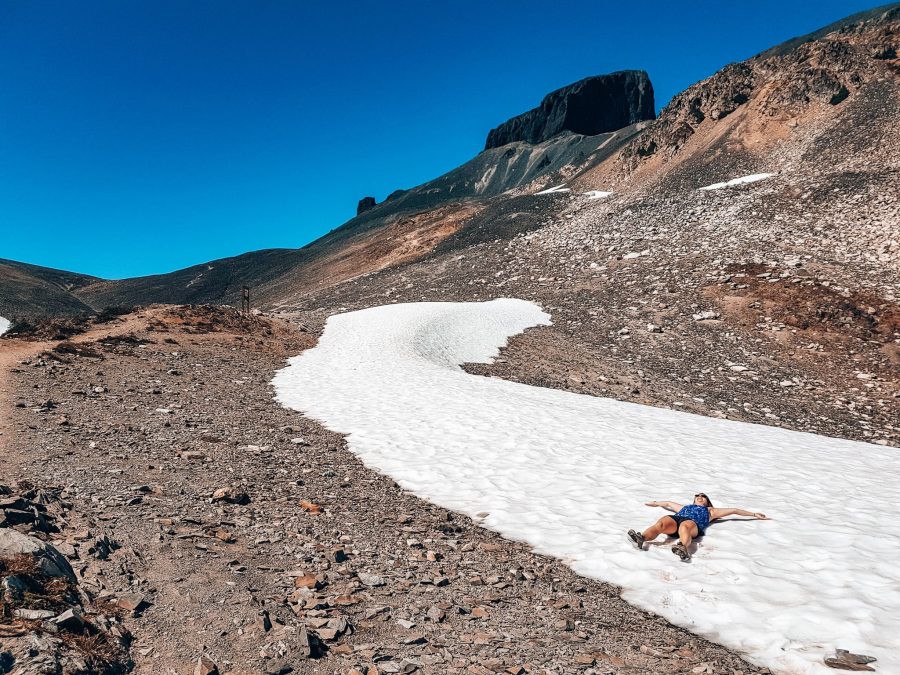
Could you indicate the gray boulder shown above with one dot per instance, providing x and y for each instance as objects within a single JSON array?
[{"x": 50, "y": 561}]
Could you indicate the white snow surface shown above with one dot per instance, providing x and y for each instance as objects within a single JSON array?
[
  {"x": 555, "y": 189},
  {"x": 752, "y": 178},
  {"x": 570, "y": 473},
  {"x": 4, "y": 325},
  {"x": 590, "y": 194}
]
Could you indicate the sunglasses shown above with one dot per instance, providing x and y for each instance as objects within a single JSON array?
[{"x": 701, "y": 495}]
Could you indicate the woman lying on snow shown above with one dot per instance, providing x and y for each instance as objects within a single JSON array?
[{"x": 688, "y": 522}]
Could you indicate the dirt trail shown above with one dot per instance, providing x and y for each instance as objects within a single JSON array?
[{"x": 13, "y": 351}]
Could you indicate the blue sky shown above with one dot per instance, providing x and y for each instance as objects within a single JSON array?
[{"x": 140, "y": 137}]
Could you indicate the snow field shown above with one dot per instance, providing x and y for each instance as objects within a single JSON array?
[
  {"x": 570, "y": 473},
  {"x": 597, "y": 194},
  {"x": 743, "y": 180},
  {"x": 590, "y": 194},
  {"x": 554, "y": 190},
  {"x": 4, "y": 325}
]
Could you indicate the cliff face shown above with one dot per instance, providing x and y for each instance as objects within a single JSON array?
[
  {"x": 591, "y": 106},
  {"x": 365, "y": 204}
]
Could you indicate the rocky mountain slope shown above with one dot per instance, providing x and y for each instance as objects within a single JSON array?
[
  {"x": 39, "y": 292},
  {"x": 798, "y": 268},
  {"x": 406, "y": 226},
  {"x": 772, "y": 301}
]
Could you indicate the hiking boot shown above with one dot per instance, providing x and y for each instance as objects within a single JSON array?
[
  {"x": 682, "y": 552},
  {"x": 637, "y": 539}
]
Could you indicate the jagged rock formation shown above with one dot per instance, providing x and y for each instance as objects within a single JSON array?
[
  {"x": 591, "y": 106},
  {"x": 365, "y": 204}
]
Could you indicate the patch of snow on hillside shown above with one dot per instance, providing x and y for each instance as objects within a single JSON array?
[
  {"x": 4, "y": 325},
  {"x": 553, "y": 190},
  {"x": 482, "y": 184},
  {"x": 570, "y": 473},
  {"x": 752, "y": 178},
  {"x": 597, "y": 194}
]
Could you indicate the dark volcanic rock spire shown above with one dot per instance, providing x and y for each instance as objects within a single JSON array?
[
  {"x": 365, "y": 204},
  {"x": 591, "y": 106}
]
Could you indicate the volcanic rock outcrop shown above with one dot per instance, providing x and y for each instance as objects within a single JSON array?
[
  {"x": 365, "y": 204},
  {"x": 591, "y": 106}
]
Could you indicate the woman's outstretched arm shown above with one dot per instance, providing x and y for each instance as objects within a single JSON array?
[
  {"x": 721, "y": 513},
  {"x": 671, "y": 506}
]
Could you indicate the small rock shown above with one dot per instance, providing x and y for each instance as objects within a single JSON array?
[
  {"x": 436, "y": 614},
  {"x": 51, "y": 562},
  {"x": 206, "y": 666},
  {"x": 132, "y": 602},
  {"x": 845, "y": 660},
  {"x": 372, "y": 580},
  {"x": 34, "y": 614},
  {"x": 307, "y": 581},
  {"x": 70, "y": 620},
  {"x": 231, "y": 495},
  {"x": 310, "y": 507}
]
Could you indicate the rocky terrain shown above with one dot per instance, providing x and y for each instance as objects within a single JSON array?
[
  {"x": 51, "y": 618},
  {"x": 255, "y": 542},
  {"x": 211, "y": 530}
]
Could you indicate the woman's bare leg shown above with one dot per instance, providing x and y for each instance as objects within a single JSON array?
[
  {"x": 665, "y": 525},
  {"x": 687, "y": 531}
]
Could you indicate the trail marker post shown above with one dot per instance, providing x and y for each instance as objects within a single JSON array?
[{"x": 245, "y": 300}]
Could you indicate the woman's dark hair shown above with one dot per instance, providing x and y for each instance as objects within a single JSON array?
[{"x": 709, "y": 503}]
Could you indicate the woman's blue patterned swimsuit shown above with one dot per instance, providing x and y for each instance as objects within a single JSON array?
[{"x": 699, "y": 514}]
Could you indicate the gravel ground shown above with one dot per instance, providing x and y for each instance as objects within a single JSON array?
[{"x": 259, "y": 543}]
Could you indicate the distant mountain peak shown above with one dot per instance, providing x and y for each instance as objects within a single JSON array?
[{"x": 594, "y": 105}]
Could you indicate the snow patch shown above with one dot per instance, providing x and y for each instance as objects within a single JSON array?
[
  {"x": 752, "y": 178},
  {"x": 597, "y": 194},
  {"x": 570, "y": 473},
  {"x": 485, "y": 180},
  {"x": 553, "y": 190},
  {"x": 4, "y": 325}
]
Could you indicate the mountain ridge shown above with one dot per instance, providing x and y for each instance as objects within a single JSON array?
[{"x": 795, "y": 76}]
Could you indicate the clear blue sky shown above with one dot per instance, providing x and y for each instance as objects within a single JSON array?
[{"x": 140, "y": 137}]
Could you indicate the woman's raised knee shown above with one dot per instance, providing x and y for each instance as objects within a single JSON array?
[{"x": 688, "y": 526}]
